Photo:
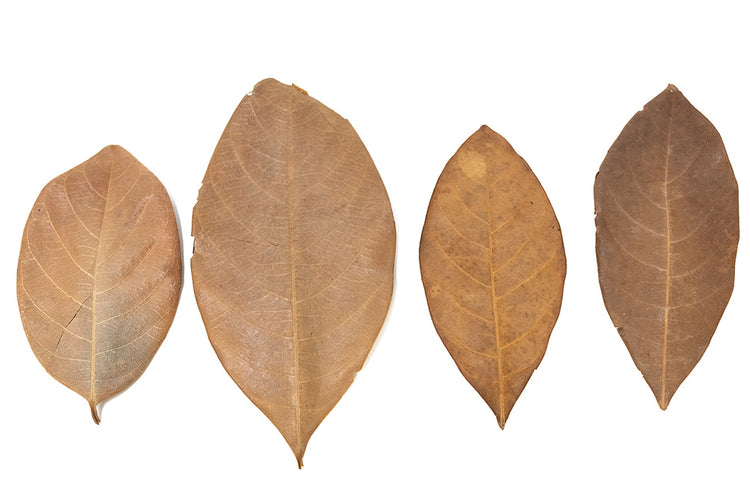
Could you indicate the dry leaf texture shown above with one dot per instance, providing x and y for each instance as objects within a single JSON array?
[
  {"x": 493, "y": 267},
  {"x": 293, "y": 257},
  {"x": 99, "y": 274},
  {"x": 667, "y": 229}
]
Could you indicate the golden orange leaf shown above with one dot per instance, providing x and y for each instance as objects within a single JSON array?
[{"x": 493, "y": 267}]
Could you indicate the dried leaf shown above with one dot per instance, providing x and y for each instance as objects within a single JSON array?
[
  {"x": 667, "y": 223},
  {"x": 99, "y": 274},
  {"x": 293, "y": 256},
  {"x": 493, "y": 267}
]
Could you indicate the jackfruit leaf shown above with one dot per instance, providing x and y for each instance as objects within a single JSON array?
[
  {"x": 667, "y": 227},
  {"x": 293, "y": 256},
  {"x": 99, "y": 275},
  {"x": 493, "y": 267}
]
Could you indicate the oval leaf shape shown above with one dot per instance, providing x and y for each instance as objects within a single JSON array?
[
  {"x": 667, "y": 227},
  {"x": 493, "y": 267},
  {"x": 293, "y": 256},
  {"x": 99, "y": 274}
]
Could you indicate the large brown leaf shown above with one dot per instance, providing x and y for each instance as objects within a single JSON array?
[
  {"x": 493, "y": 267},
  {"x": 293, "y": 256},
  {"x": 667, "y": 229},
  {"x": 99, "y": 274}
]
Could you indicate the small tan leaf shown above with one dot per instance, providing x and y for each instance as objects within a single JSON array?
[
  {"x": 667, "y": 226},
  {"x": 99, "y": 274},
  {"x": 293, "y": 257},
  {"x": 493, "y": 267}
]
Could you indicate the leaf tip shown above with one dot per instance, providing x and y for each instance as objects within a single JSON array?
[
  {"x": 94, "y": 412},
  {"x": 113, "y": 149},
  {"x": 501, "y": 419},
  {"x": 485, "y": 130},
  {"x": 299, "y": 461},
  {"x": 672, "y": 88},
  {"x": 266, "y": 82}
]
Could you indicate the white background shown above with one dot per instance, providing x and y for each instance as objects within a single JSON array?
[{"x": 559, "y": 80}]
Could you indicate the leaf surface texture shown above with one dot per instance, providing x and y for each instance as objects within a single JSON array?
[
  {"x": 99, "y": 274},
  {"x": 667, "y": 224},
  {"x": 493, "y": 267},
  {"x": 293, "y": 257}
]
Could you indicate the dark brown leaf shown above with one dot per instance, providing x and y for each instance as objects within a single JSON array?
[
  {"x": 493, "y": 267},
  {"x": 99, "y": 274},
  {"x": 667, "y": 231},
  {"x": 293, "y": 258}
]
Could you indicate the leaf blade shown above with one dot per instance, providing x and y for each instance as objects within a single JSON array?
[
  {"x": 667, "y": 233},
  {"x": 75, "y": 252},
  {"x": 489, "y": 234},
  {"x": 317, "y": 234}
]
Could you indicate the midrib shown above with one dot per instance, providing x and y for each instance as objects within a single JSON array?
[
  {"x": 498, "y": 344},
  {"x": 663, "y": 395},
  {"x": 92, "y": 397},
  {"x": 292, "y": 266}
]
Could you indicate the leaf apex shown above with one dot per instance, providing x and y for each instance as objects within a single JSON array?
[
  {"x": 501, "y": 420},
  {"x": 113, "y": 149},
  {"x": 663, "y": 403},
  {"x": 485, "y": 130},
  {"x": 267, "y": 82}
]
